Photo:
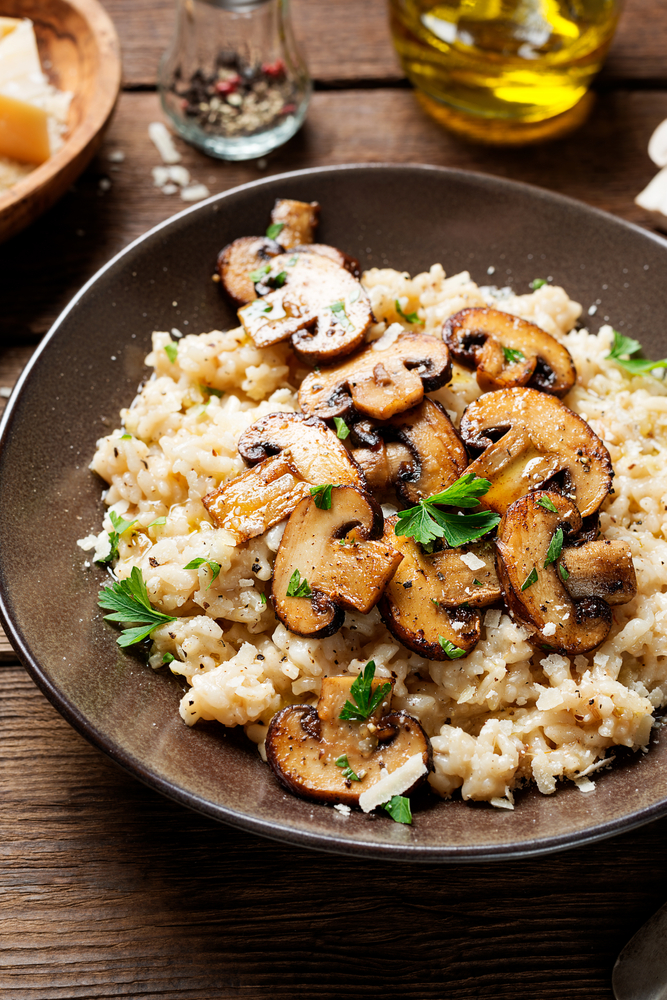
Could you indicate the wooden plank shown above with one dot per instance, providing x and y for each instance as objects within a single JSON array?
[
  {"x": 109, "y": 890},
  {"x": 604, "y": 164},
  {"x": 350, "y": 41}
]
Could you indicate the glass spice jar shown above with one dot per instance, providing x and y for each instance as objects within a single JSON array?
[{"x": 233, "y": 82}]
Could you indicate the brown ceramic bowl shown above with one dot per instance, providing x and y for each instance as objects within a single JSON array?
[
  {"x": 90, "y": 365},
  {"x": 79, "y": 50}
]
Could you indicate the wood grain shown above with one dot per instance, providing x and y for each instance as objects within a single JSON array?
[
  {"x": 605, "y": 164},
  {"x": 348, "y": 40},
  {"x": 109, "y": 890}
]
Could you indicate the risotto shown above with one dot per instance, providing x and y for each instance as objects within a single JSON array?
[{"x": 503, "y": 715}]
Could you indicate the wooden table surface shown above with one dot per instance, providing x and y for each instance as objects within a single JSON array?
[{"x": 109, "y": 890}]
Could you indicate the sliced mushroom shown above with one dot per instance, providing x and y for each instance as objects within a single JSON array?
[
  {"x": 298, "y": 220},
  {"x": 238, "y": 260},
  {"x": 437, "y": 456},
  {"x": 530, "y": 437},
  {"x": 379, "y": 383},
  {"x": 294, "y": 452},
  {"x": 339, "y": 257},
  {"x": 304, "y": 743},
  {"x": 316, "y": 303},
  {"x": 536, "y": 594},
  {"x": 508, "y": 351},
  {"x": 342, "y": 553},
  {"x": 411, "y": 606},
  {"x": 602, "y": 569}
]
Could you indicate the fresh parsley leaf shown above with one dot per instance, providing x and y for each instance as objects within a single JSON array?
[
  {"x": 126, "y": 437},
  {"x": 277, "y": 280},
  {"x": 465, "y": 492},
  {"x": 459, "y": 530},
  {"x": 257, "y": 275},
  {"x": 298, "y": 587},
  {"x": 477, "y": 583},
  {"x": 262, "y": 598},
  {"x": 537, "y": 283},
  {"x": 338, "y": 309},
  {"x": 562, "y": 572},
  {"x": 128, "y": 599},
  {"x": 256, "y": 309},
  {"x": 621, "y": 350},
  {"x": 408, "y": 317},
  {"x": 292, "y": 261},
  {"x": 555, "y": 548},
  {"x": 347, "y": 770},
  {"x": 354, "y": 295},
  {"x": 512, "y": 355},
  {"x": 425, "y": 522},
  {"x": 322, "y": 496},
  {"x": 547, "y": 504},
  {"x": 171, "y": 350},
  {"x": 417, "y": 523},
  {"x": 157, "y": 522},
  {"x": 168, "y": 658},
  {"x": 120, "y": 526},
  {"x": 530, "y": 579},
  {"x": 398, "y": 808},
  {"x": 342, "y": 430},
  {"x": 200, "y": 561},
  {"x": 210, "y": 391},
  {"x": 361, "y": 691},
  {"x": 452, "y": 651},
  {"x": 275, "y": 229}
]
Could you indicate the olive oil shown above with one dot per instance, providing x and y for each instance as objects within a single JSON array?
[{"x": 495, "y": 68}]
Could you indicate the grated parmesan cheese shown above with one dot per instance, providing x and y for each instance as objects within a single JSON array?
[{"x": 393, "y": 784}]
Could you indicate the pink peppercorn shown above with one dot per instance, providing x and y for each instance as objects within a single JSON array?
[
  {"x": 228, "y": 86},
  {"x": 274, "y": 69}
]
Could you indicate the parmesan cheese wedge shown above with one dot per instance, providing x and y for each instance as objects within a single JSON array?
[
  {"x": 24, "y": 132},
  {"x": 392, "y": 784}
]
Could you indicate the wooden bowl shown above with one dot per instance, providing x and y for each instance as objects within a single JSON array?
[{"x": 80, "y": 52}]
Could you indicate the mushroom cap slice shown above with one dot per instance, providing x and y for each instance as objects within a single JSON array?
[
  {"x": 602, "y": 568},
  {"x": 304, "y": 743},
  {"x": 294, "y": 452},
  {"x": 299, "y": 220},
  {"x": 379, "y": 382},
  {"x": 479, "y": 337},
  {"x": 238, "y": 260},
  {"x": 318, "y": 304},
  {"x": 528, "y": 438},
  {"x": 411, "y": 608},
  {"x": 339, "y": 257},
  {"x": 437, "y": 454},
  {"x": 546, "y": 606},
  {"x": 466, "y": 575},
  {"x": 343, "y": 553}
]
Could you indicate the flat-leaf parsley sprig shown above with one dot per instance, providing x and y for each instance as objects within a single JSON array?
[
  {"x": 128, "y": 599},
  {"x": 213, "y": 566},
  {"x": 362, "y": 692},
  {"x": 426, "y": 522},
  {"x": 623, "y": 348},
  {"x": 120, "y": 526}
]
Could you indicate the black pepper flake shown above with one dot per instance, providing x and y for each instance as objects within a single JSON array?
[
  {"x": 407, "y": 584},
  {"x": 153, "y": 561},
  {"x": 260, "y": 657}
]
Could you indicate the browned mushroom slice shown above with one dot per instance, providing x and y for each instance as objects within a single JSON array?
[
  {"x": 316, "y": 303},
  {"x": 298, "y": 220},
  {"x": 295, "y": 452},
  {"x": 339, "y": 257},
  {"x": 532, "y": 580},
  {"x": 383, "y": 464},
  {"x": 343, "y": 556},
  {"x": 436, "y": 453},
  {"x": 238, "y": 260},
  {"x": 303, "y": 745},
  {"x": 602, "y": 569},
  {"x": 379, "y": 383},
  {"x": 529, "y": 437},
  {"x": 411, "y": 608},
  {"x": 508, "y": 351},
  {"x": 466, "y": 575}
]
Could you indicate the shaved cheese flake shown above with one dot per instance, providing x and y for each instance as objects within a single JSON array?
[
  {"x": 392, "y": 784},
  {"x": 472, "y": 561}
]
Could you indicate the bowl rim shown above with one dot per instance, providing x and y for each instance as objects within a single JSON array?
[
  {"x": 326, "y": 842},
  {"x": 107, "y": 86}
]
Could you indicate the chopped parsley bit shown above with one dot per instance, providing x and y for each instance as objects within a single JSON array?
[
  {"x": 621, "y": 350},
  {"x": 128, "y": 599},
  {"x": 555, "y": 548},
  {"x": 398, "y": 808},
  {"x": 211, "y": 391},
  {"x": 292, "y": 261},
  {"x": 562, "y": 572},
  {"x": 262, "y": 598},
  {"x": 298, "y": 587},
  {"x": 277, "y": 280},
  {"x": 171, "y": 350},
  {"x": 126, "y": 437},
  {"x": 354, "y": 296},
  {"x": 537, "y": 283},
  {"x": 408, "y": 317},
  {"x": 338, "y": 309},
  {"x": 512, "y": 355},
  {"x": 530, "y": 579},
  {"x": 200, "y": 561},
  {"x": 255, "y": 309},
  {"x": 158, "y": 522},
  {"x": 477, "y": 583},
  {"x": 322, "y": 496},
  {"x": 547, "y": 504},
  {"x": 425, "y": 522},
  {"x": 275, "y": 229},
  {"x": 361, "y": 691},
  {"x": 347, "y": 770},
  {"x": 452, "y": 651},
  {"x": 120, "y": 526},
  {"x": 342, "y": 430},
  {"x": 257, "y": 275},
  {"x": 168, "y": 658}
]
